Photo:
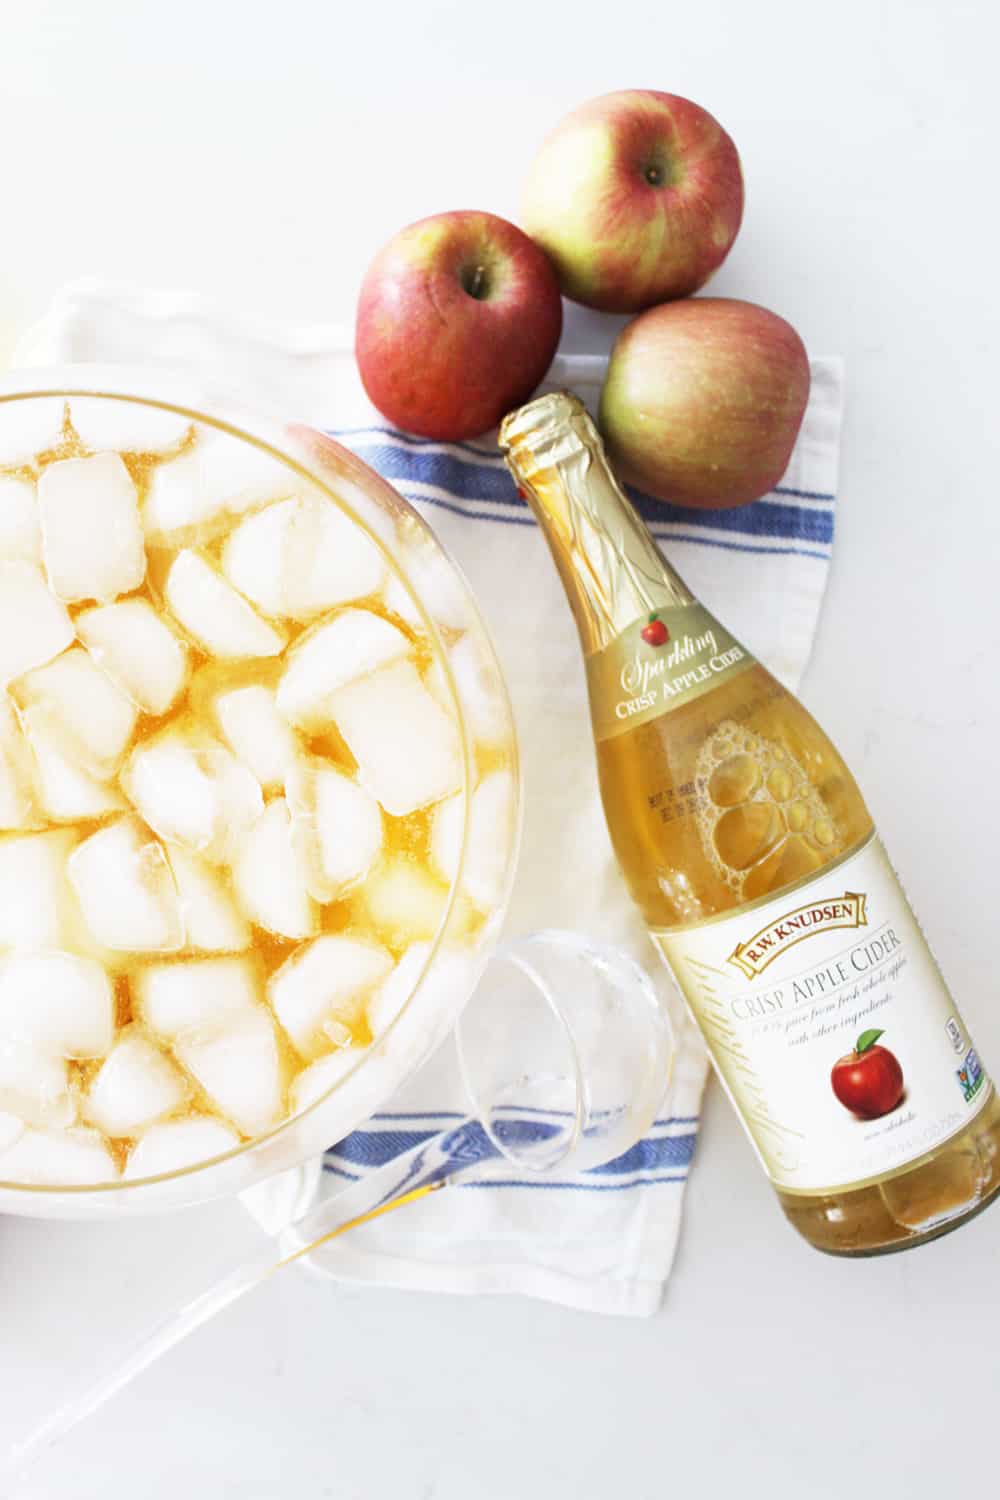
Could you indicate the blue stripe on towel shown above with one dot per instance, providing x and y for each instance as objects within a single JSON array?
[
  {"x": 373, "y": 1148},
  {"x": 359, "y": 437},
  {"x": 457, "y": 509},
  {"x": 651, "y": 1155},
  {"x": 454, "y": 1114},
  {"x": 657, "y": 1158},
  {"x": 330, "y": 1166},
  {"x": 573, "y": 1187},
  {"x": 474, "y": 485}
]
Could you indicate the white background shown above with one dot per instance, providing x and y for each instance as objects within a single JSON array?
[{"x": 259, "y": 153}]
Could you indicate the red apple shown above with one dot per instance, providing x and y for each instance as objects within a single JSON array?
[
  {"x": 637, "y": 197},
  {"x": 703, "y": 401},
  {"x": 869, "y": 1080},
  {"x": 654, "y": 632},
  {"x": 458, "y": 320}
]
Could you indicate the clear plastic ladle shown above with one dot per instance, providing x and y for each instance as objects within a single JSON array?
[{"x": 565, "y": 1053}]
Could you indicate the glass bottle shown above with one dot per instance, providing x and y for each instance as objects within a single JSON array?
[{"x": 748, "y": 847}]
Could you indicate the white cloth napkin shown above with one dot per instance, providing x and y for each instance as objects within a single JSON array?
[{"x": 602, "y": 1240}]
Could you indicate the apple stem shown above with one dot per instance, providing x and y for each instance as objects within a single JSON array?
[{"x": 474, "y": 282}]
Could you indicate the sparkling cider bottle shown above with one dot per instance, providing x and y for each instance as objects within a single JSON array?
[{"x": 750, "y": 851}]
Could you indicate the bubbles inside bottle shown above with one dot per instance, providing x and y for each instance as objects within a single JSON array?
[{"x": 762, "y": 822}]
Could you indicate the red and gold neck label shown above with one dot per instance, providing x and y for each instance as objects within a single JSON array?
[{"x": 659, "y": 662}]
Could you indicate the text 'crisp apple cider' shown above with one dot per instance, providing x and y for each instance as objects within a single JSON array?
[
  {"x": 233, "y": 792},
  {"x": 747, "y": 845}
]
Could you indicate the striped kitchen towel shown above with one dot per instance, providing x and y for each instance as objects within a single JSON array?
[{"x": 603, "y": 1239}]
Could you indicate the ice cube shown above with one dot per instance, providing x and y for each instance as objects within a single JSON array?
[
  {"x": 176, "y": 1144},
  {"x": 36, "y": 903},
  {"x": 130, "y": 426},
  {"x": 135, "y": 1086},
  {"x": 34, "y": 1085},
  {"x": 256, "y": 732},
  {"x": 195, "y": 495},
  {"x": 18, "y": 809},
  {"x": 89, "y": 713},
  {"x": 350, "y": 646},
  {"x": 446, "y": 984},
  {"x": 210, "y": 916},
  {"x": 328, "y": 979},
  {"x": 173, "y": 791},
  {"x": 380, "y": 516},
  {"x": 447, "y": 828},
  {"x": 481, "y": 691},
  {"x": 60, "y": 1005},
  {"x": 301, "y": 558},
  {"x": 269, "y": 874},
  {"x": 390, "y": 997},
  {"x": 91, "y": 537},
  {"x": 177, "y": 507},
  {"x": 65, "y": 1158},
  {"x": 138, "y": 650},
  {"x": 66, "y": 791},
  {"x": 404, "y": 902},
  {"x": 438, "y": 686},
  {"x": 336, "y": 824},
  {"x": 197, "y": 996},
  {"x": 253, "y": 558},
  {"x": 240, "y": 1070},
  {"x": 407, "y": 747},
  {"x": 329, "y": 560},
  {"x": 400, "y": 601},
  {"x": 490, "y": 835},
  {"x": 192, "y": 792},
  {"x": 214, "y": 614},
  {"x": 126, "y": 890},
  {"x": 321, "y": 1076},
  {"x": 34, "y": 627},
  {"x": 20, "y": 534},
  {"x": 30, "y": 426},
  {"x": 436, "y": 583},
  {"x": 240, "y": 475}
]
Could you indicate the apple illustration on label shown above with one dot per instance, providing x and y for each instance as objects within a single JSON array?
[
  {"x": 869, "y": 1080},
  {"x": 654, "y": 632}
]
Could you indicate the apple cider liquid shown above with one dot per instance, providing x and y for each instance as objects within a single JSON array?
[{"x": 748, "y": 847}]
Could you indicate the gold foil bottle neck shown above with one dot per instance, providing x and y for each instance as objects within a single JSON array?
[
  {"x": 610, "y": 565},
  {"x": 550, "y": 418}
]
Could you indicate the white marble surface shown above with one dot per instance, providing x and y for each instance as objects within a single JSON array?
[{"x": 259, "y": 153}]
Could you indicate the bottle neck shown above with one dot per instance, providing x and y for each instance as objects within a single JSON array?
[{"x": 611, "y": 568}]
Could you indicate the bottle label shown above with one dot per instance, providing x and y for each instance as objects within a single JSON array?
[
  {"x": 831, "y": 1027},
  {"x": 657, "y": 663}
]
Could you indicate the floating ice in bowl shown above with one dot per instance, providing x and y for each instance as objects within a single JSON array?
[{"x": 248, "y": 705}]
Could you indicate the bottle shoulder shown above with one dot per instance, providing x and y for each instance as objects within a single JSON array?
[{"x": 726, "y": 799}]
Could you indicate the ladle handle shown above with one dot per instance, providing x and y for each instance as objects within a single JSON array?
[{"x": 413, "y": 1175}]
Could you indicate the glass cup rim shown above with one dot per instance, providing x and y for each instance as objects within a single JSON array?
[
  {"x": 598, "y": 954},
  {"x": 514, "y": 953}
]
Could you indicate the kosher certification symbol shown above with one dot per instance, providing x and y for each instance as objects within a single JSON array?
[{"x": 955, "y": 1034}]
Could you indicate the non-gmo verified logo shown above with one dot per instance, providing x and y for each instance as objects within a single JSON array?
[{"x": 970, "y": 1075}]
